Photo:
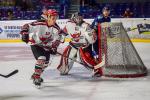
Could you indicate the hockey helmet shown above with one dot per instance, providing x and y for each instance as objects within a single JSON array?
[
  {"x": 77, "y": 17},
  {"x": 52, "y": 12}
]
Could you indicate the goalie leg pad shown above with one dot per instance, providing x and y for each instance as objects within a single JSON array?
[{"x": 66, "y": 64}]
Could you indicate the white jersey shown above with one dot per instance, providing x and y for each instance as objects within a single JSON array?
[
  {"x": 42, "y": 34},
  {"x": 80, "y": 35}
]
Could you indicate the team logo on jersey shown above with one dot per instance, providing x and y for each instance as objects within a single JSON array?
[
  {"x": 77, "y": 28},
  {"x": 1, "y": 30},
  {"x": 76, "y": 36}
]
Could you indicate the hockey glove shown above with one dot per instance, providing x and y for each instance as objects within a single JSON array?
[
  {"x": 25, "y": 37},
  {"x": 53, "y": 51},
  {"x": 54, "y": 46},
  {"x": 24, "y": 33}
]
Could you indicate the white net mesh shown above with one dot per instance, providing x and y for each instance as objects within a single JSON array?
[{"x": 122, "y": 59}]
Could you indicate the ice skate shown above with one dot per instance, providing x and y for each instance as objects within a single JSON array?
[
  {"x": 34, "y": 77},
  {"x": 37, "y": 82}
]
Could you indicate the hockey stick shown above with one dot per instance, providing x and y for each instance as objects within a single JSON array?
[
  {"x": 129, "y": 29},
  {"x": 10, "y": 74},
  {"x": 101, "y": 64}
]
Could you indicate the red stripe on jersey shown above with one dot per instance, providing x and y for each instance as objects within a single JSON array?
[
  {"x": 38, "y": 23},
  {"x": 32, "y": 41},
  {"x": 65, "y": 30},
  {"x": 42, "y": 38},
  {"x": 56, "y": 26}
]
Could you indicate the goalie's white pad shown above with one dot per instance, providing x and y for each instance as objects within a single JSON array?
[{"x": 65, "y": 63}]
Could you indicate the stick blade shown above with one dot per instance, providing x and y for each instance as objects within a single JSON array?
[{"x": 12, "y": 73}]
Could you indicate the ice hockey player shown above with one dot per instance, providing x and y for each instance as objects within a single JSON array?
[
  {"x": 104, "y": 17},
  {"x": 44, "y": 38},
  {"x": 81, "y": 36}
]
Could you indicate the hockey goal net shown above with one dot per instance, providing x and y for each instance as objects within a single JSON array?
[{"x": 121, "y": 57}]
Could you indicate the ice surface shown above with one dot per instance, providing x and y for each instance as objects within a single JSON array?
[{"x": 78, "y": 85}]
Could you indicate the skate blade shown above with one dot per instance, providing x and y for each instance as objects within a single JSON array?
[
  {"x": 96, "y": 75},
  {"x": 38, "y": 86}
]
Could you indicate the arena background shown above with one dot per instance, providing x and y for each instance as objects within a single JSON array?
[
  {"x": 15, "y": 13},
  {"x": 9, "y": 30},
  {"x": 78, "y": 85}
]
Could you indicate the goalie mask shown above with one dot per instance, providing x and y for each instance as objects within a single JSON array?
[{"x": 77, "y": 17}]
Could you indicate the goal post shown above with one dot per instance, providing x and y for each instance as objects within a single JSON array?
[{"x": 122, "y": 59}]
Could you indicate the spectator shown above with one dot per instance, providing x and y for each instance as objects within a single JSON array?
[
  {"x": 92, "y": 3},
  {"x": 84, "y": 2},
  {"x": 64, "y": 4},
  {"x": 128, "y": 13},
  {"x": 9, "y": 2},
  {"x": 10, "y": 15},
  {"x": 24, "y": 5},
  {"x": 44, "y": 13}
]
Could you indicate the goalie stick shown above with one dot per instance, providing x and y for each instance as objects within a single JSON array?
[
  {"x": 10, "y": 74},
  {"x": 102, "y": 49},
  {"x": 96, "y": 66}
]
